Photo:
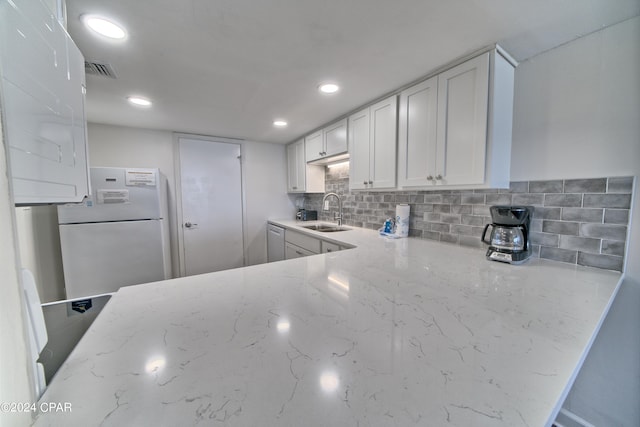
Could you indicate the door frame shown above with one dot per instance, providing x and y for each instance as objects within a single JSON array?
[{"x": 178, "y": 186}]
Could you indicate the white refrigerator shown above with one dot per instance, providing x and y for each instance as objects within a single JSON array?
[{"x": 118, "y": 236}]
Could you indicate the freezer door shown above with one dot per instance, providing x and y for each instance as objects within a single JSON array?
[
  {"x": 119, "y": 194},
  {"x": 101, "y": 257}
]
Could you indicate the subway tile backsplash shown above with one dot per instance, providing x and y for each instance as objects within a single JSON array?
[{"x": 578, "y": 221}]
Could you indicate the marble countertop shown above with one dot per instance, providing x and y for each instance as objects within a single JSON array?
[{"x": 393, "y": 332}]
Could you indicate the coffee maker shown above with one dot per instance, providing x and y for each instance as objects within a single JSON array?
[{"x": 509, "y": 239}]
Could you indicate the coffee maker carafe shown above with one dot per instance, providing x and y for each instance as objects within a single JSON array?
[{"x": 509, "y": 238}]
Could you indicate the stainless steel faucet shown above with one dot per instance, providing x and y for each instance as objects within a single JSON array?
[{"x": 339, "y": 216}]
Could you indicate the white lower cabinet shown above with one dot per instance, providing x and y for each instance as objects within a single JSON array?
[
  {"x": 455, "y": 128},
  {"x": 327, "y": 247},
  {"x": 372, "y": 146},
  {"x": 299, "y": 244},
  {"x": 292, "y": 251},
  {"x": 275, "y": 243}
]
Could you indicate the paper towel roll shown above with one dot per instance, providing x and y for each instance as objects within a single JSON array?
[{"x": 402, "y": 220}]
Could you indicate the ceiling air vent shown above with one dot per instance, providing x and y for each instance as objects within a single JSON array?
[{"x": 99, "y": 69}]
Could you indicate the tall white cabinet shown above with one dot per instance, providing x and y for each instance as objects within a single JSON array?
[
  {"x": 372, "y": 146},
  {"x": 455, "y": 128},
  {"x": 43, "y": 91}
]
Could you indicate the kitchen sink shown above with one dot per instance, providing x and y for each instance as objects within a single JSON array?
[{"x": 325, "y": 228}]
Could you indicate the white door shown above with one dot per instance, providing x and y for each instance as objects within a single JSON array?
[
  {"x": 383, "y": 142},
  {"x": 211, "y": 233},
  {"x": 463, "y": 94},
  {"x": 417, "y": 134}
]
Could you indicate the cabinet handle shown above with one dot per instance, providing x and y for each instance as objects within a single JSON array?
[
  {"x": 429, "y": 178},
  {"x": 370, "y": 182},
  {"x": 365, "y": 182},
  {"x": 320, "y": 153},
  {"x": 438, "y": 177},
  {"x": 295, "y": 188},
  {"x": 299, "y": 253},
  {"x": 329, "y": 250}
]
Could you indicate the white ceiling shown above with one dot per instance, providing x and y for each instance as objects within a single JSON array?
[{"x": 230, "y": 67}]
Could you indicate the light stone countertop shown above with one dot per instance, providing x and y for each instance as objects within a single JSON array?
[{"x": 391, "y": 333}]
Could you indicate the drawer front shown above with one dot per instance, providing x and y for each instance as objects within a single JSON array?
[
  {"x": 330, "y": 247},
  {"x": 302, "y": 240},
  {"x": 292, "y": 251}
]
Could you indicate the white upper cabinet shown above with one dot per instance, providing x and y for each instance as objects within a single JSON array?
[
  {"x": 455, "y": 128},
  {"x": 359, "y": 150},
  {"x": 417, "y": 134},
  {"x": 302, "y": 178},
  {"x": 335, "y": 138},
  {"x": 372, "y": 143},
  {"x": 313, "y": 146},
  {"x": 463, "y": 95},
  {"x": 330, "y": 141},
  {"x": 43, "y": 94},
  {"x": 295, "y": 174}
]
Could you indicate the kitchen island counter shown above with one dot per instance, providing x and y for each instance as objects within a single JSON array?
[{"x": 392, "y": 332}]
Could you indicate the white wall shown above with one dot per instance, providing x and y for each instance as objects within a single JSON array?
[
  {"x": 115, "y": 146},
  {"x": 14, "y": 369},
  {"x": 39, "y": 244},
  {"x": 577, "y": 115},
  {"x": 264, "y": 172}
]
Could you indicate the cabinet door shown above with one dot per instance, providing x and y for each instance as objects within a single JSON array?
[
  {"x": 301, "y": 166},
  {"x": 463, "y": 95},
  {"x": 382, "y": 143},
  {"x": 417, "y": 134},
  {"x": 43, "y": 106},
  {"x": 296, "y": 167},
  {"x": 292, "y": 168},
  {"x": 359, "y": 150},
  {"x": 292, "y": 251},
  {"x": 335, "y": 138},
  {"x": 313, "y": 146}
]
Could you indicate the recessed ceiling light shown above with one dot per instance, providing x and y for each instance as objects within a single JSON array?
[
  {"x": 328, "y": 88},
  {"x": 280, "y": 123},
  {"x": 104, "y": 27},
  {"x": 139, "y": 101}
]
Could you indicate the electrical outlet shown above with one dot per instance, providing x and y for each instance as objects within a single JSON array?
[{"x": 326, "y": 205}]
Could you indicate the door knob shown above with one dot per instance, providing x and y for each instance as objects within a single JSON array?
[{"x": 188, "y": 224}]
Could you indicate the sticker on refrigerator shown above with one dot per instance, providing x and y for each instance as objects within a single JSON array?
[
  {"x": 140, "y": 177},
  {"x": 112, "y": 196}
]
